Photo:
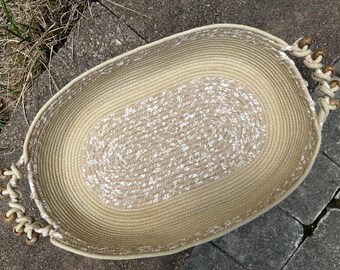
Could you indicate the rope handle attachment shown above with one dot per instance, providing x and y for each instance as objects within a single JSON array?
[
  {"x": 320, "y": 73},
  {"x": 24, "y": 224}
]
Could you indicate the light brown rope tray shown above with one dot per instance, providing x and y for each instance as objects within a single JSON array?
[{"x": 172, "y": 144}]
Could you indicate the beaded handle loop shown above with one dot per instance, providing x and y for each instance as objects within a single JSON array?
[
  {"x": 24, "y": 224},
  {"x": 320, "y": 73}
]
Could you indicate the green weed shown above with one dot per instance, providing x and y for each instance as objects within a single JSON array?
[{"x": 31, "y": 31}]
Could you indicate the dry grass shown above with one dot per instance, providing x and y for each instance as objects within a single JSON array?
[{"x": 30, "y": 33}]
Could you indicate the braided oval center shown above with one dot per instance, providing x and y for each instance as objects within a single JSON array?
[{"x": 180, "y": 139}]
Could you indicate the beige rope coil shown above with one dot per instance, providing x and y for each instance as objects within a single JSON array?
[
  {"x": 28, "y": 225},
  {"x": 17, "y": 213},
  {"x": 322, "y": 74}
]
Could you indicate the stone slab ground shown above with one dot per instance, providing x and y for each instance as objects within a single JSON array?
[{"x": 302, "y": 232}]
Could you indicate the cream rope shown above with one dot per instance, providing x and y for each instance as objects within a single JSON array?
[
  {"x": 24, "y": 224},
  {"x": 322, "y": 74},
  {"x": 28, "y": 225}
]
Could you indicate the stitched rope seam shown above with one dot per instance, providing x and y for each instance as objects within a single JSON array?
[
  {"x": 31, "y": 227},
  {"x": 318, "y": 75},
  {"x": 24, "y": 224}
]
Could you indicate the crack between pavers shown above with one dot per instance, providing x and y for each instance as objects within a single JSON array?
[
  {"x": 330, "y": 158},
  {"x": 228, "y": 255},
  {"x": 308, "y": 230},
  {"x": 284, "y": 210},
  {"x": 336, "y": 61},
  {"x": 289, "y": 258},
  {"x": 116, "y": 15},
  {"x": 301, "y": 240}
]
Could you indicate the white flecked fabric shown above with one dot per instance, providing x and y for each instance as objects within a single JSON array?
[{"x": 172, "y": 144}]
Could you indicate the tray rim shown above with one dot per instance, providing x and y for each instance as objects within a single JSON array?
[{"x": 54, "y": 238}]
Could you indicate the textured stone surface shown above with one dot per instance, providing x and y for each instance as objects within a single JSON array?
[
  {"x": 265, "y": 243},
  {"x": 337, "y": 66},
  {"x": 208, "y": 257},
  {"x": 98, "y": 38},
  {"x": 286, "y": 19},
  {"x": 331, "y": 137},
  {"x": 322, "y": 250},
  {"x": 308, "y": 200}
]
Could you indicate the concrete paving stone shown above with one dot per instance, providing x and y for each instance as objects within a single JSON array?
[
  {"x": 331, "y": 137},
  {"x": 286, "y": 19},
  {"x": 319, "y": 187},
  {"x": 102, "y": 36},
  {"x": 99, "y": 37},
  {"x": 209, "y": 257},
  {"x": 337, "y": 66},
  {"x": 322, "y": 249},
  {"x": 265, "y": 243}
]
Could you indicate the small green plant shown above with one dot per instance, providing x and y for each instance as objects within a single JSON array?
[{"x": 31, "y": 31}]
